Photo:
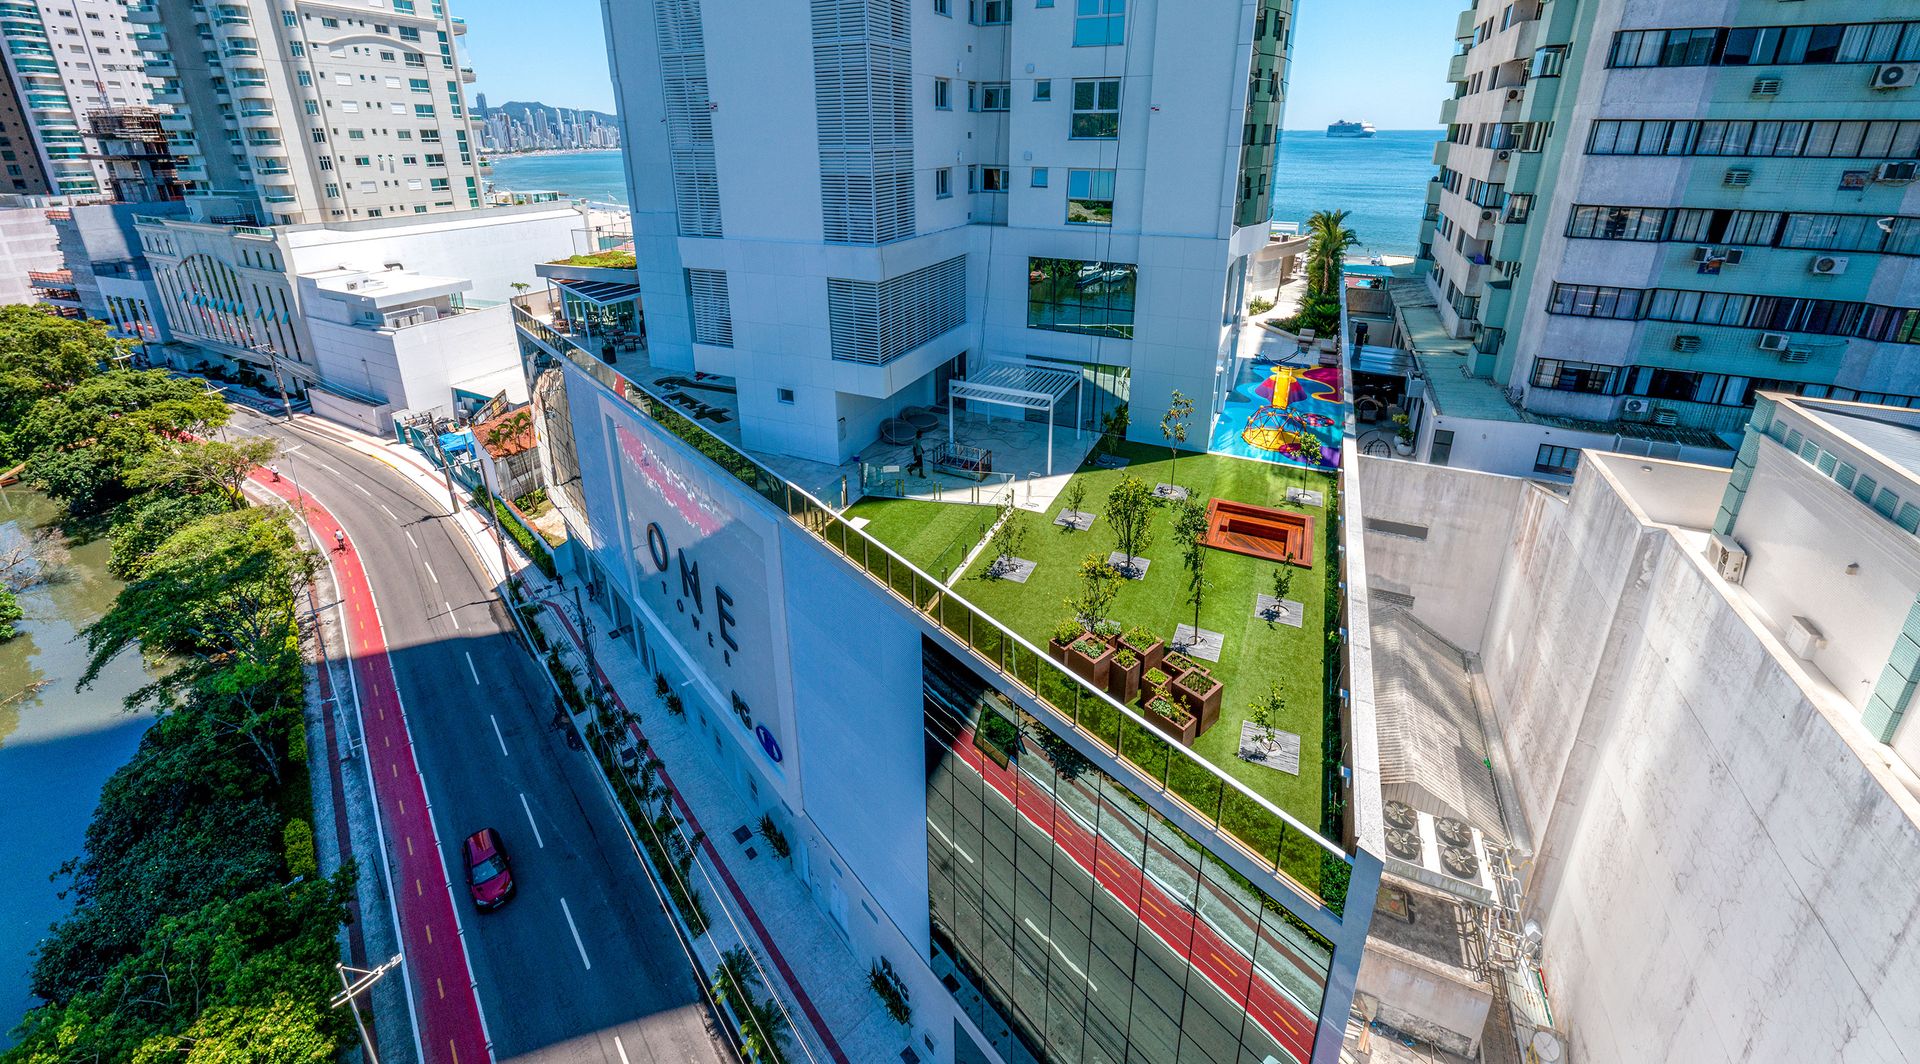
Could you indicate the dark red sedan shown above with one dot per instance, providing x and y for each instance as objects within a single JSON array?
[{"x": 489, "y": 879}]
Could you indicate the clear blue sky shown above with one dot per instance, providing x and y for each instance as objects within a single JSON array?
[{"x": 1384, "y": 61}]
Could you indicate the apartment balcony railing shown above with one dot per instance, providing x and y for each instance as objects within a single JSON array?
[{"x": 1260, "y": 830}]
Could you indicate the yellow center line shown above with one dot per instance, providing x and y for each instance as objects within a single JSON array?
[
  {"x": 402, "y": 803},
  {"x": 429, "y": 934},
  {"x": 455, "y": 1049},
  {"x": 418, "y": 890},
  {"x": 441, "y": 984},
  {"x": 409, "y": 845}
]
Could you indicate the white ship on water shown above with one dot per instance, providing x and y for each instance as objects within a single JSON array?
[{"x": 1351, "y": 129}]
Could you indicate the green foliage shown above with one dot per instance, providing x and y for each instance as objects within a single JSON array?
[
  {"x": 1113, "y": 426},
  {"x": 10, "y": 612},
  {"x": 202, "y": 465},
  {"x": 1010, "y": 533},
  {"x": 1099, "y": 583},
  {"x": 40, "y": 354},
  {"x": 82, "y": 443},
  {"x": 1189, "y": 530},
  {"x": 296, "y": 840},
  {"x": 887, "y": 986},
  {"x": 1076, "y": 499},
  {"x": 1327, "y": 247},
  {"x": 533, "y": 503},
  {"x": 1319, "y": 313},
  {"x": 613, "y": 260},
  {"x": 1129, "y": 512},
  {"x": 1267, "y": 710},
  {"x": 142, "y": 523},
  {"x": 529, "y": 543},
  {"x": 776, "y": 839},
  {"x": 1173, "y": 426},
  {"x": 1259, "y": 305}
]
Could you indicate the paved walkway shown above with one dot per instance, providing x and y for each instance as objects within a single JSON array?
[
  {"x": 759, "y": 901},
  {"x": 448, "y": 1022}
]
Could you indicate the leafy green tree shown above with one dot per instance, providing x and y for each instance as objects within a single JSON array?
[
  {"x": 1009, "y": 535},
  {"x": 1173, "y": 427},
  {"x": 220, "y": 597},
  {"x": 735, "y": 979},
  {"x": 145, "y": 521},
  {"x": 204, "y": 465},
  {"x": 1267, "y": 710},
  {"x": 1129, "y": 512},
  {"x": 42, "y": 353},
  {"x": 1190, "y": 530},
  {"x": 1099, "y": 583},
  {"x": 10, "y": 612},
  {"x": 763, "y": 1032},
  {"x": 1329, "y": 240},
  {"x": 81, "y": 443},
  {"x": 1075, "y": 497}
]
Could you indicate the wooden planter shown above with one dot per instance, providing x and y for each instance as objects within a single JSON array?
[
  {"x": 1201, "y": 694},
  {"x": 1151, "y": 655},
  {"x": 1183, "y": 731},
  {"x": 1123, "y": 682},
  {"x": 1057, "y": 650},
  {"x": 1092, "y": 669}
]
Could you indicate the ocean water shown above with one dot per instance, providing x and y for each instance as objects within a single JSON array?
[{"x": 1381, "y": 179}]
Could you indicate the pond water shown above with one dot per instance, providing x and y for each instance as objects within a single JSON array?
[{"x": 57, "y": 745}]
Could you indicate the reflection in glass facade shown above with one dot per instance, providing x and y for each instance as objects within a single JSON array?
[
  {"x": 1090, "y": 298},
  {"x": 549, "y": 391},
  {"x": 1072, "y": 923}
]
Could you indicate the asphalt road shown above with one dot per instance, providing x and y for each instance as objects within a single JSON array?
[{"x": 581, "y": 966}]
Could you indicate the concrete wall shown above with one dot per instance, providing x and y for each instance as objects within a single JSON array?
[
  {"x": 1437, "y": 1002},
  {"x": 1466, "y": 519},
  {"x": 1725, "y": 862},
  {"x": 27, "y": 242}
]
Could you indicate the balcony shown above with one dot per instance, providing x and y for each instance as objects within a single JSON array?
[
  {"x": 1207, "y": 781},
  {"x": 1457, "y": 69},
  {"x": 143, "y": 14}
]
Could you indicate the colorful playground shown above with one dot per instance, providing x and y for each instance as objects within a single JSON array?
[{"x": 1283, "y": 413}]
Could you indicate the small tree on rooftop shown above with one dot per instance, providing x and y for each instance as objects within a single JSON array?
[
  {"x": 1076, "y": 497},
  {"x": 1266, "y": 711},
  {"x": 1113, "y": 426},
  {"x": 1173, "y": 427},
  {"x": 1099, "y": 583},
  {"x": 1009, "y": 535},
  {"x": 1190, "y": 530},
  {"x": 1129, "y": 512},
  {"x": 1283, "y": 581}
]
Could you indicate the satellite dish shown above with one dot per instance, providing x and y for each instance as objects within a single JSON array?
[{"x": 1546, "y": 1047}]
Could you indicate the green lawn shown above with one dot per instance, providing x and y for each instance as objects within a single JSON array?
[
  {"x": 1254, "y": 655},
  {"x": 928, "y": 534}
]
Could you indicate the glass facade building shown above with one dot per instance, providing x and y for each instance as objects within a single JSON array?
[{"x": 1073, "y": 923}]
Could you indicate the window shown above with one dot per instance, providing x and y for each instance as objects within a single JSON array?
[
  {"x": 409, "y": 33},
  {"x": 1829, "y": 139},
  {"x": 306, "y": 79},
  {"x": 1039, "y": 179},
  {"x": 993, "y": 179},
  {"x": 332, "y": 190},
  {"x": 1089, "y": 197},
  {"x": 1548, "y": 62},
  {"x": 1096, "y": 109},
  {"x": 423, "y": 110},
  {"x": 356, "y": 134},
  {"x": 297, "y": 50},
  {"x": 1097, "y": 23},
  {"x": 419, "y": 85},
  {"x": 437, "y": 184},
  {"x": 784, "y": 395},
  {"x": 1088, "y": 298},
  {"x": 329, "y": 22},
  {"x": 1556, "y": 461},
  {"x": 943, "y": 94},
  {"x": 1877, "y": 322},
  {"x": 1867, "y": 42},
  {"x": 1594, "y": 301},
  {"x": 1440, "y": 452},
  {"x": 994, "y": 96},
  {"x": 943, "y": 7},
  {"x": 989, "y": 12},
  {"x": 312, "y": 107},
  {"x": 1616, "y": 223},
  {"x": 363, "y": 160},
  {"x": 1563, "y": 376},
  {"x": 943, "y": 182},
  {"x": 1043, "y": 90}
]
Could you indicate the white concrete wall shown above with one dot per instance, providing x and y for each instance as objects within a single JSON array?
[
  {"x": 1438, "y": 1002},
  {"x": 492, "y": 248},
  {"x": 27, "y": 242}
]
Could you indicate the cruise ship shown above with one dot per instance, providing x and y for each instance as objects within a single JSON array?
[{"x": 1351, "y": 129}]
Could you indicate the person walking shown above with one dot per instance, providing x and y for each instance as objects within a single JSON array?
[
  {"x": 275, "y": 470},
  {"x": 919, "y": 466},
  {"x": 339, "y": 539}
]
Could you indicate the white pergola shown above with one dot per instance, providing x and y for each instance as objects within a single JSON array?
[{"x": 1022, "y": 385}]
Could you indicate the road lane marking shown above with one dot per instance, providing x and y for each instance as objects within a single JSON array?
[
  {"x": 579, "y": 945},
  {"x": 362, "y": 490},
  {"x": 622, "y": 1050},
  {"x": 410, "y": 541},
  {"x": 429, "y": 934},
  {"x": 530, "y": 821},
  {"x": 455, "y": 1050},
  {"x": 429, "y": 569},
  {"x": 390, "y": 513},
  {"x": 409, "y": 845},
  {"x": 471, "y": 669},
  {"x": 450, "y": 616},
  {"x": 326, "y": 467},
  {"x": 497, "y": 735},
  {"x": 441, "y": 985}
]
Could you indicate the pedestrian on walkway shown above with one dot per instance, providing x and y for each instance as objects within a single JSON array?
[
  {"x": 919, "y": 466},
  {"x": 339, "y": 539}
]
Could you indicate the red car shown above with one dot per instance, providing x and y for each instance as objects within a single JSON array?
[{"x": 489, "y": 879}]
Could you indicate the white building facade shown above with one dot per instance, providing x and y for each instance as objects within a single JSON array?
[
  {"x": 940, "y": 187},
  {"x": 66, "y": 59}
]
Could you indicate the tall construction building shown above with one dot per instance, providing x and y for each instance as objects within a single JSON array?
[
  {"x": 66, "y": 60},
  {"x": 1646, "y": 215},
  {"x": 315, "y": 112}
]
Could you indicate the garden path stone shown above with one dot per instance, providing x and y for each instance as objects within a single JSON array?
[
  {"x": 1139, "y": 570},
  {"x": 1199, "y": 643},
  {"x": 1281, "y": 752},
  {"x": 1306, "y": 497},
  {"x": 1015, "y": 571},
  {"x": 1170, "y": 492},
  {"x": 1284, "y": 611},
  {"x": 857, "y": 523},
  {"x": 1078, "y": 520}
]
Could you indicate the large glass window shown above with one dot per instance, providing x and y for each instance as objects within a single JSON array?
[
  {"x": 1099, "y": 22},
  {"x": 1556, "y": 461},
  {"x": 1867, "y": 42},
  {"x": 1090, "y": 298},
  {"x": 1090, "y": 197},
  {"x": 1096, "y": 109},
  {"x": 1564, "y": 376},
  {"x": 1835, "y": 139}
]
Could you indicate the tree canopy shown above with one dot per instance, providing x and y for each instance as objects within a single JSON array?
[{"x": 42, "y": 353}]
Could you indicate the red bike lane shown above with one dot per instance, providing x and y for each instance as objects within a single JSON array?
[{"x": 448, "y": 1013}]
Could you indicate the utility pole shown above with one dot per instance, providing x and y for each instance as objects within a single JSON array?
[
  {"x": 486, "y": 485},
  {"x": 351, "y": 989},
  {"x": 453, "y": 499},
  {"x": 279, "y": 383}
]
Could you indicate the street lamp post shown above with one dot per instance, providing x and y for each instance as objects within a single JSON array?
[
  {"x": 279, "y": 382},
  {"x": 499, "y": 520},
  {"x": 350, "y": 989}
]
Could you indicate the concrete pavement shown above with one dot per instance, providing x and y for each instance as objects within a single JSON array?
[{"x": 581, "y": 966}]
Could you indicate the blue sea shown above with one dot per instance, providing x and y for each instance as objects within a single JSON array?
[{"x": 1381, "y": 179}]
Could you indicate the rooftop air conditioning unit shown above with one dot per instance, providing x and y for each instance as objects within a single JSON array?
[
  {"x": 1773, "y": 341},
  {"x": 1703, "y": 253},
  {"x": 1686, "y": 345},
  {"x": 1766, "y": 86},
  {"x": 1894, "y": 75},
  {"x": 1665, "y": 417},
  {"x": 1828, "y": 265},
  {"x": 1804, "y": 637},
  {"x": 1896, "y": 173},
  {"x": 1727, "y": 557},
  {"x": 1737, "y": 177},
  {"x": 1636, "y": 410},
  {"x": 1486, "y": 216}
]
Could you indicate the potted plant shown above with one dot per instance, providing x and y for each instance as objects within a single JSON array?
[
  {"x": 1123, "y": 676},
  {"x": 1403, "y": 426},
  {"x": 1151, "y": 648},
  {"x": 1064, "y": 634},
  {"x": 1176, "y": 663},
  {"x": 1091, "y": 657},
  {"x": 1201, "y": 693},
  {"x": 1170, "y": 717}
]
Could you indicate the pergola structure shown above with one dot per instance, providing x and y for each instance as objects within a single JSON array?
[
  {"x": 595, "y": 293},
  {"x": 1022, "y": 385}
]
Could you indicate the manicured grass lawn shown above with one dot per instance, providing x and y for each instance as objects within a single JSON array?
[
  {"x": 925, "y": 533},
  {"x": 1254, "y": 654}
]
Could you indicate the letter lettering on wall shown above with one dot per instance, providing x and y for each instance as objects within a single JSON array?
[
  {"x": 723, "y": 606},
  {"x": 690, "y": 582},
  {"x": 657, "y": 546}
]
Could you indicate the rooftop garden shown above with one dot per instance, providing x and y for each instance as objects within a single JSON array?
[
  {"x": 935, "y": 536},
  {"x": 607, "y": 260},
  {"x": 1054, "y": 584}
]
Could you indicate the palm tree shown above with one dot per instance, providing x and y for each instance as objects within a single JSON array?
[
  {"x": 763, "y": 1032},
  {"x": 735, "y": 979},
  {"x": 1331, "y": 239}
]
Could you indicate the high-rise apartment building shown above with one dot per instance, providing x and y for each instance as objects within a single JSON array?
[
  {"x": 67, "y": 59},
  {"x": 952, "y": 185},
  {"x": 316, "y": 111},
  {"x": 1646, "y": 214}
]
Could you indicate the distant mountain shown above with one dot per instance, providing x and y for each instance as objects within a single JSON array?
[{"x": 524, "y": 111}]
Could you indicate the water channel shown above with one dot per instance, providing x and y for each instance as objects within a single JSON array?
[{"x": 57, "y": 745}]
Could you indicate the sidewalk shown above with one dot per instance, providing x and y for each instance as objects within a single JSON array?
[{"x": 760, "y": 901}]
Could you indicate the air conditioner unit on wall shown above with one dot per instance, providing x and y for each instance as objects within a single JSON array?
[
  {"x": 1727, "y": 557},
  {"x": 1773, "y": 341},
  {"x": 1737, "y": 177},
  {"x": 1894, "y": 75},
  {"x": 1766, "y": 86},
  {"x": 1828, "y": 265},
  {"x": 1503, "y": 154},
  {"x": 1636, "y": 410},
  {"x": 1896, "y": 173},
  {"x": 1732, "y": 256},
  {"x": 1686, "y": 345},
  {"x": 1804, "y": 637},
  {"x": 1513, "y": 95},
  {"x": 1703, "y": 254},
  {"x": 1795, "y": 356}
]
